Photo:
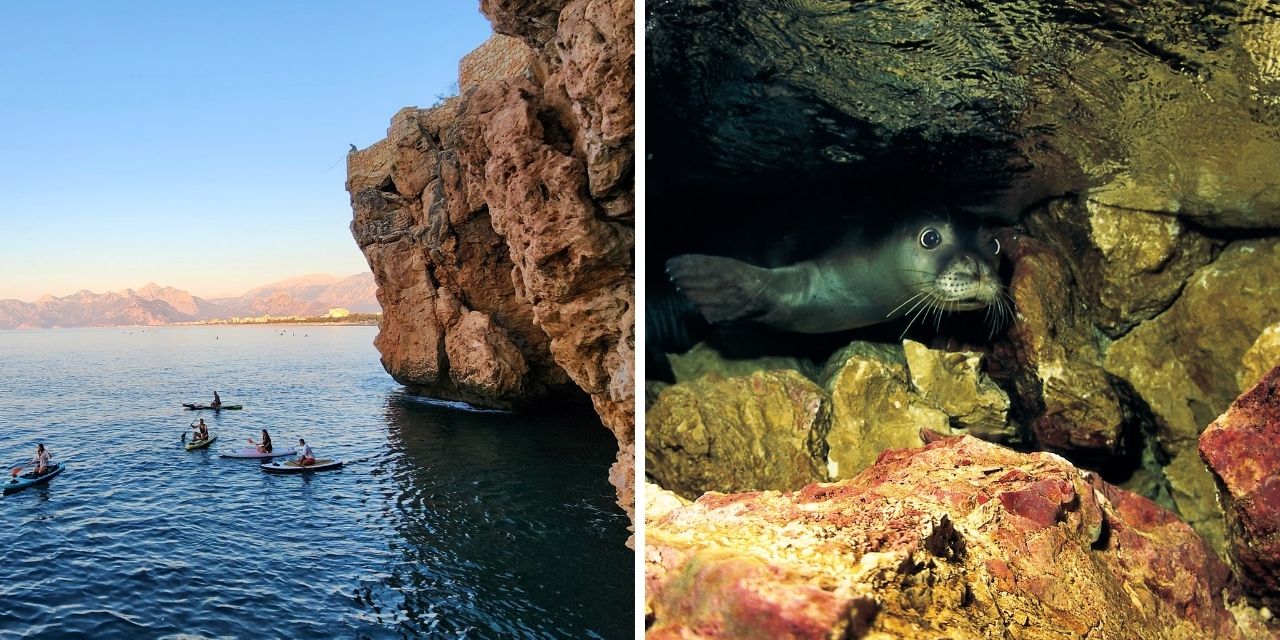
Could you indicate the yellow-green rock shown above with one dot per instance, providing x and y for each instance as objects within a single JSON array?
[
  {"x": 766, "y": 430},
  {"x": 1262, "y": 357},
  {"x": 952, "y": 382},
  {"x": 873, "y": 407}
]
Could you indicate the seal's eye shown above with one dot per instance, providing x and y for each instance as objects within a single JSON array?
[
  {"x": 994, "y": 246},
  {"x": 930, "y": 238}
]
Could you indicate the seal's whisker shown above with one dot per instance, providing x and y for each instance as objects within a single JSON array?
[{"x": 904, "y": 303}]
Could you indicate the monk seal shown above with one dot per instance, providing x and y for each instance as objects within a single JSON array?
[{"x": 923, "y": 263}]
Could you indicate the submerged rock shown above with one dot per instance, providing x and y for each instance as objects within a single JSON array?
[
  {"x": 1058, "y": 364},
  {"x": 1261, "y": 357},
  {"x": 872, "y": 408},
  {"x": 767, "y": 429},
  {"x": 1241, "y": 448},
  {"x": 953, "y": 382},
  {"x": 960, "y": 539},
  {"x": 1184, "y": 364},
  {"x": 1129, "y": 265}
]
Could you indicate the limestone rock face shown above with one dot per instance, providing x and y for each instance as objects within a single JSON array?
[
  {"x": 499, "y": 225},
  {"x": 1241, "y": 450},
  {"x": 766, "y": 429},
  {"x": 961, "y": 538}
]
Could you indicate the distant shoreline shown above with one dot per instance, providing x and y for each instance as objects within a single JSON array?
[{"x": 354, "y": 320}]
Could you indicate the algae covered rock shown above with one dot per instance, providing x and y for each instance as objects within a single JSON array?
[
  {"x": 952, "y": 381},
  {"x": 872, "y": 407},
  {"x": 703, "y": 359},
  {"x": 960, "y": 539},
  {"x": 764, "y": 430},
  {"x": 1185, "y": 363},
  {"x": 1130, "y": 265},
  {"x": 1261, "y": 357}
]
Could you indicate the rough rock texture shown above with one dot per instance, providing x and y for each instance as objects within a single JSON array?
[
  {"x": 1260, "y": 358},
  {"x": 1159, "y": 106},
  {"x": 702, "y": 359},
  {"x": 960, "y": 539},
  {"x": 872, "y": 408},
  {"x": 953, "y": 382},
  {"x": 500, "y": 225},
  {"x": 1184, "y": 363},
  {"x": 767, "y": 429},
  {"x": 1059, "y": 374},
  {"x": 1130, "y": 265},
  {"x": 1241, "y": 450}
]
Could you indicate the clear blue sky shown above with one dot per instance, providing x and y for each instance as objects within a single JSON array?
[{"x": 201, "y": 144}]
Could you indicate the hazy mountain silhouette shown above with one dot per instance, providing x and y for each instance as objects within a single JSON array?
[{"x": 309, "y": 295}]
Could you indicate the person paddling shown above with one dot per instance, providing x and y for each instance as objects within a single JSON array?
[
  {"x": 202, "y": 432},
  {"x": 305, "y": 455},
  {"x": 41, "y": 460},
  {"x": 217, "y": 402},
  {"x": 265, "y": 445}
]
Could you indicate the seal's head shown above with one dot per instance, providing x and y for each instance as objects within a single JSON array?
[{"x": 947, "y": 262}]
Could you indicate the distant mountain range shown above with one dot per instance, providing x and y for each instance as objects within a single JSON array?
[{"x": 307, "y": 296}]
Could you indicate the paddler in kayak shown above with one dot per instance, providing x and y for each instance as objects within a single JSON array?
[
  {"x": 305, "y": 455},
  {"x": 265, "y": 445},
  {"x": 217, "y": 402},
  {"x": 41, "y": 461}
]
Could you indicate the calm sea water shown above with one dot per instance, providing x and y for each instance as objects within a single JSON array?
[{"x": 444, "y": 523}]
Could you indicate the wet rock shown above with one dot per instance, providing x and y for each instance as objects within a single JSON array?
[
  {"x": 1129, "y": 265},
  {"x": 762, "y": 431},
  {"x": 1058, "y": 376},
  {"x": 953, "y": 382},
  {"x": 703, "y": 359},
  {"x": 960, "y": 538},
  {"x": 872, "y": 407},
  {"x": 1241, "y": 450},
  {"x": 1184, "y": 364},
  {"x": 1166, "y": 106},
  {"x": 1260, "y": 358}
]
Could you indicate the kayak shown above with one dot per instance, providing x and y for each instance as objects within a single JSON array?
[
  {"x": 252, "y": 452},
  {"x": 293, "y": 466},
  {"x": 27, "y": 479},
  {"x": 202, "y": 407},
  {"x": 199, "y": 444}
]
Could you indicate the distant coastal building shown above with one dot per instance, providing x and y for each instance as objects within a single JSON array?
[{"x": 338, "y": 312}]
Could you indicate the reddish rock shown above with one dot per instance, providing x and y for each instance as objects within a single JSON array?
[
  {"x": 1242, "y": 449},
  {"x": 958, "y": 539}
]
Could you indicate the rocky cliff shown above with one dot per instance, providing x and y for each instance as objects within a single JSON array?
[{"x": 500, "y": 224}]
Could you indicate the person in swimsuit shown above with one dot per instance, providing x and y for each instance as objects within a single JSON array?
[
  {"x": 305, "y": 455},
  {"x": 41, "y": 459},
  {"x": 265, "y": 445},
  {"x": 217, "y": 402},
  {"x": 202, "y": 432}
]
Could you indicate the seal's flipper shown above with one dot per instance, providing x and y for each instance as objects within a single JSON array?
[{"x": 723, "y": 289}]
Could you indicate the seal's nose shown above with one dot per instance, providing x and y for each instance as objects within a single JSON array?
[{"x": 968, "y": 267}]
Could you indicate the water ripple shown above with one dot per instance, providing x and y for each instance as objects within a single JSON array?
[{"x": 443, "y": 524}]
